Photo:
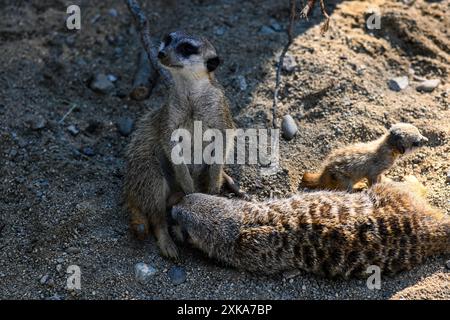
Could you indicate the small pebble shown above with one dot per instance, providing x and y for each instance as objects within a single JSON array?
[
  {"x": 288, "y": 127},
  {"x": 44, "y": 279},
  {"x": 242, "y": 83},
  {"x": 143, "y": 272},
  {"x": 289, "y": 63},
  {"x": 428, "y": 85},
  {"x": 88, "y": 151},
  {"x": 448, "y": 177},
  {"x": 73, "y": 130},
  {"x": 125, "y": 126},
  {"x": 112, "y": 12},
  {"x": 399, "y": 83},
  {"x": 73, "y": 250},
  {"x": 37, "y": 122},
  {"x": 112, "y": 77},
  {"x": 447, "y": 264},
  {"x": 220, "y": 31},
  {"x": 101, "y": 84},
  {"x": 177, "y": 275},
  {"x": 265, "y": 30},
  {"x": 275, "y": 25}
]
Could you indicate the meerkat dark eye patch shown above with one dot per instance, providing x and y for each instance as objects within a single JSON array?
[
  {"x": 212, "y": 64},
  {"x": 416, "y": 144},
  {"x": 186, "y": 49},
  {"x": 167, "y": 40}
]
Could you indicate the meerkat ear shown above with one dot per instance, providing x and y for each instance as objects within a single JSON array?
[{"x": 212, "y": 63}]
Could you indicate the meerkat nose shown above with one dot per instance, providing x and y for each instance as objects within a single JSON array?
[{"x": 161, "y": 54}]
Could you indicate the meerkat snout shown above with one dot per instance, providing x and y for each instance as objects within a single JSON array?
[
  {"x": 179, "y": 50},
  {"x": 405, "y": 137}
]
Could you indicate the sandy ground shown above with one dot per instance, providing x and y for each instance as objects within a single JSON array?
[{"x": 60, "y": 202}]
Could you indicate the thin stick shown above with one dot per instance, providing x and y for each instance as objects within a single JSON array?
[
  {"x": 74, "y": 106},
  {"x": 144, "y": 78},
  {"x": 280, "y": 62},
  {"x": 142, "y": 26}
]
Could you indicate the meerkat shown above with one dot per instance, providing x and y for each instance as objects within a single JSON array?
[
  {"x": 349, "y": 165},
  {"x": 151, "y": 175},
  {"x": 334, "y": 234}
]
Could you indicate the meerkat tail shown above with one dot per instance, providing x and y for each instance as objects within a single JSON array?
[{"x": 311, "y": 180}]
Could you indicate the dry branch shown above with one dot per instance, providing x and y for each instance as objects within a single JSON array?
[
  {"x": 142, "y": 26},
  {"x": 290, "y": 31},
  {"x": 144, "y": 78}
]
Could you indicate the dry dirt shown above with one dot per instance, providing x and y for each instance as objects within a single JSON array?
[{"x": 61, "y": 207}]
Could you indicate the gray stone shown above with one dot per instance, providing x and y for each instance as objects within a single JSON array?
[
  {"x": 275, "y": 25},
  {"x": 428, "y": 85},
  {"x": 73, "y": 130},
  {"x": 448, "y": 176},
  {"x": 288, "y": 127},
  {"x": 447, "y": 264},
  {"x": 112, "y": 77},
  {"x": 219, "y": 31},
  {"x": 265, "y": 30},
  {"x": 73, "y": 250},
  {"x": 177, "y": 275},
  {"x": 242, "y": 83},
  {"x": 125, "y": 126},
  {"x": 289, "y": 63},
  {"x": 113, "y": 12},
  {"x": 44, "y": 279},
  {"x": 398, "y": 83},
  {"x": 37, "y": 123},
  {"x": 88, "y": 151},
  {"x": 143, "y": 272},
  {"x": 101, "y": 84}
]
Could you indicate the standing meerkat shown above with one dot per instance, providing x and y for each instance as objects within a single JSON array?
[
  {"x": 328, "y": 233},
  {"x": 346, "y": 166},
  {"x": 151, "y": 175}
]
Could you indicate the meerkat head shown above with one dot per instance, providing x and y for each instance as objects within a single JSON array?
[
  {"x": 404, "y": 137},
  {"x": 188, "y": 55},
  {"x": 207, "y": 222}
]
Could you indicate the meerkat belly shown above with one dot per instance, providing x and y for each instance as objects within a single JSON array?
[{"x": 196, "y": 129}]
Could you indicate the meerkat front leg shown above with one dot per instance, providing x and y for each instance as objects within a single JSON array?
[
  {"x": 181, "y": 171},
  {"x": 372, "y": 179},
  {"x": 215, "y": 178}
]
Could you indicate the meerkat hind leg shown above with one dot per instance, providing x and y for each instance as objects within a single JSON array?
[
  {"x": 138, "y": 223},
  {"x": 164, "y": 240}
]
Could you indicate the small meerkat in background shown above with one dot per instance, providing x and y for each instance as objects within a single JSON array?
[
  {"x": 346, "y": 166},
  {"x": 150, "y": 174},
  {"x": 328, "y": 233}
]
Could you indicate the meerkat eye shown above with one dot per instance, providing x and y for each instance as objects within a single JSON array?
[
  {"x": 167, "y": 40},
  {"x": 186, "y": 49}
]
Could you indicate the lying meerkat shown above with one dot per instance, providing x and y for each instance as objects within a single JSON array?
[
  {"x": 151, "y": 174},
  {"x": 348, "y": 165},
  {"x": 328, "y": 233}
]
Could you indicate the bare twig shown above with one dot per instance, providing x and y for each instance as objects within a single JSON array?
[
  {"x": 307, "y": 10},
  {"x": 74, "y": 106},
  {"x": 144, "y": 78},
  {"x": 142, "y": 26},
  {"x": 281, "y": 61}
]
